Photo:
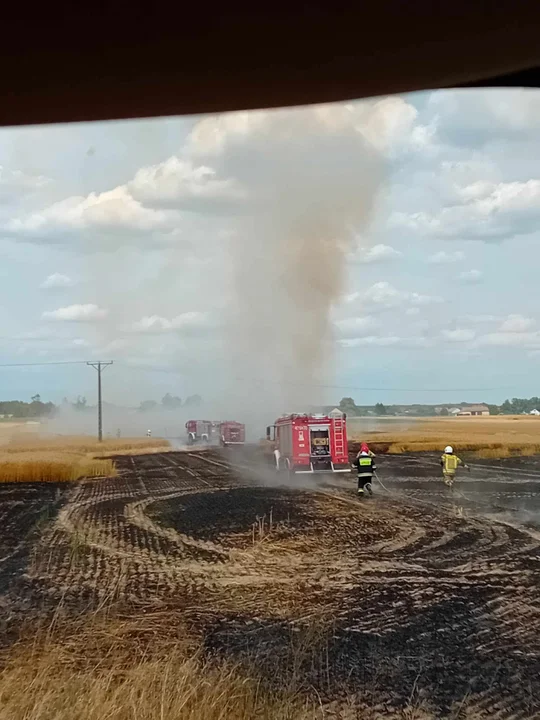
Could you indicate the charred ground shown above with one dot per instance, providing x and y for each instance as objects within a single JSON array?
[{"x": 414, "y": 597}]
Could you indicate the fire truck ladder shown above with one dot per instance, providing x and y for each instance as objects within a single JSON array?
[{"x": 339, "y": 439}]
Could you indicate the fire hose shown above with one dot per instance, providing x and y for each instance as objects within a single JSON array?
[{"x": 381, "y": 483}]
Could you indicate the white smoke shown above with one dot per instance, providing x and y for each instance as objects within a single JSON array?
[
  {"x": 246, "y": 230},
  {"x": 310, "y": 178}
]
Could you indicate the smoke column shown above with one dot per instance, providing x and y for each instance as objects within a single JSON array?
[{"x": 310, "y": 178}]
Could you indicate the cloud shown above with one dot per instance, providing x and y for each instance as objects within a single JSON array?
[
  {"x": 378, "y": 254},
  {"x": 374, "y": 340},
  {"x": 14, "y": 184},
  {"x": 482, "y": 318},
  {"x": 471, "y": 277},
  {"x": 114, "y": 211},
  {"x": 385, "y": 295},
  {"x": 516, "y": 324},
  {"x": 523, "y": 339},
  {"x": 485, "y": 211},
  {"x": 157, "y": 324},
  {"x": 177, "y": 183},
  {"x": 514, "y": 330},
  {"x": 472, "y": 119},
  {"x": 57, "y": 280},
  {"x": 446, "y": 258},
  {"x": 385, "y": 341},
  {"x": 355, "y": 326},
  {"x": 76, "y": 313},
  {"x": 458, "y": 335}
]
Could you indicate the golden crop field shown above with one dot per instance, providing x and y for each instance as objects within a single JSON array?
[
  {"x": 28, "y": 457},
  {"x": 495, "y": 436}
]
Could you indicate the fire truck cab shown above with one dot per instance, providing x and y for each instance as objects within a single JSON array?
[
  {"x": 232, "y": 433},
  {"x": 310, "y": 443},
  {"x": 201, "y": 431}
]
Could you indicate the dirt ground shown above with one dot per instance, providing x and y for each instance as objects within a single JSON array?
[{"x": 418, "y": 597}]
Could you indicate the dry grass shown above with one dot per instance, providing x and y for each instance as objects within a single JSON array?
[
  {"x": 484, "y": 436},
  {"x": 83, "y": 444},
  {"x": 65, "y": 458},
  {"x": 51, "y": 467},
  {"x": 107, "y": 669}
]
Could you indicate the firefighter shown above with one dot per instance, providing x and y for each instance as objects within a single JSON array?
[
  {"x": 364, "y": 448},
  {"x": 148, "y": 433},
  {"x": 450, "y": 463},
  {"x": 365, "y": 467}
]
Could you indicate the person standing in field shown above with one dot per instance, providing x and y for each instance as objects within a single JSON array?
[{"x": 450, "y": 463}]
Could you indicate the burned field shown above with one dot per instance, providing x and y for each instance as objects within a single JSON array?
[
  {"x": 416, "y": 598},
  {"x": 25, "y": 508}
]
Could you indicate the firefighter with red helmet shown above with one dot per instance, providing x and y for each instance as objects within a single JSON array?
[
  {"x": 365, "y": 448},
  {"x": 365, "y": 467}
]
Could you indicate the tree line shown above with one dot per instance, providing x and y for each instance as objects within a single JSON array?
[
  {"x": 37, "y": 409},
  {"x": 170, "y": 402},
  {"x": 21, "y": 409},
  {"x": 518, "y": 406},
  {"x": 515, "y": 406}
]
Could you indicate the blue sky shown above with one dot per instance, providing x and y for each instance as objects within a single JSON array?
[{"x": 124, "y": 241}]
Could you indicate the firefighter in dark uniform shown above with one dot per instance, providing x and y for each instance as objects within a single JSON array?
[{"x": 365, "y": 466}]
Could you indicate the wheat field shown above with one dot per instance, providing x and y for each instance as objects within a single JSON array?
[
  {"x": 495, "y": 436},
  {"x": 34, "y": 458}
]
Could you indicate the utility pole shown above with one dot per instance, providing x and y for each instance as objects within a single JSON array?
[{"x": 99, "y": 366}]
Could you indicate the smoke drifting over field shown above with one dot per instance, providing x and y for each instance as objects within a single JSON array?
[
  {"x": 307, "y": 181},
  {"x": 222, "y": 264}
]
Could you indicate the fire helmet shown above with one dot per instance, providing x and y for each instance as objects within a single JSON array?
[{"x": 448, "y": 449}]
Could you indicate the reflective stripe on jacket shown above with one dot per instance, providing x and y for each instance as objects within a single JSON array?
[
  {"x": 364, "y": 465},
  {"x": 450, "y": 463}
]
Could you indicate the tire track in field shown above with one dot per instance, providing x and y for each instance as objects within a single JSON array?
[{"x": 448, "y": 602}]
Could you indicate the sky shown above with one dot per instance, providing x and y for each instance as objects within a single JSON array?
[{"x": 392, "y": 243}]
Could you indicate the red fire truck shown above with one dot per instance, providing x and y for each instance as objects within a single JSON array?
[
  {"x": 201, "y": 431},
  {"x": 310, "y": 443},
  {"x": 232, "y": 433}
]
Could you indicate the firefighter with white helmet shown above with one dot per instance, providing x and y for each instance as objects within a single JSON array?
[{"x": 450, "y": 463}]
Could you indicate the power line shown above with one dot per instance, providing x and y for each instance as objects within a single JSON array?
[
  {"x": 171, "y": 371},
  {"x": 37, "y": 364}
]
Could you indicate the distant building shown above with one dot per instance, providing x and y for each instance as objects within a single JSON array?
[
  {"x": 473, "y": 410},
  {"x": 454, "y": 411},
  {"x": 534, "y": 412}
]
